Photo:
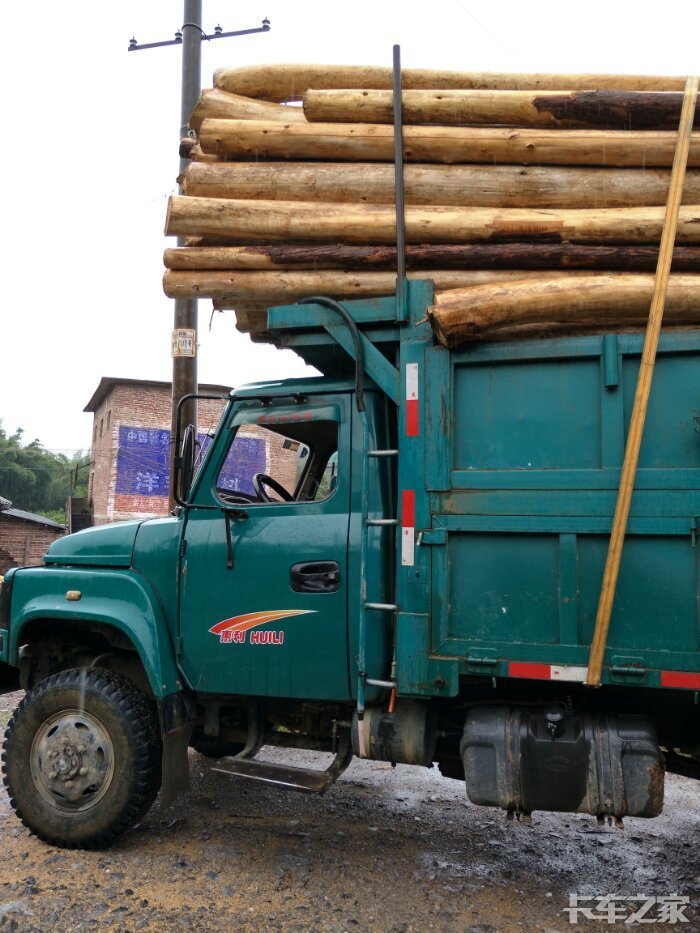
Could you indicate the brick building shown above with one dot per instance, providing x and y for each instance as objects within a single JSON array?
[
  {"x": 130, "y": 454},
  {"x": 24, "y": 537}
]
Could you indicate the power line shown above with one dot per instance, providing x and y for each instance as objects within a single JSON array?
[{"x": 490, "y": 32}]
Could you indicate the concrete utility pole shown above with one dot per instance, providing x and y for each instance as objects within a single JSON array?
[{"x": 184, "y": 335}]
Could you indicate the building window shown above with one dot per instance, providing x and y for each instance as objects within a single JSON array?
[{"x": 102, "y": 424}]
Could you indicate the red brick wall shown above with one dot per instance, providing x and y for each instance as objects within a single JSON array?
[
  {"x": 23, "y": 543},
  {"x": 132, "y": 406}
]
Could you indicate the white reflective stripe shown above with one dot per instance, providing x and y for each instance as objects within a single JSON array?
[
  {"x": 408, "y": 547},
  {"x": 411, "y": 381},
  {"x": 566, "y": 672}
]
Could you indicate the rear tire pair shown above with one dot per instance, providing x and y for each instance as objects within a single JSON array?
[{"x": 82, "y": 758}]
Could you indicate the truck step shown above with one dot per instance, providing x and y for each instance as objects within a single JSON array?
[{"x": 305, "y": 780}]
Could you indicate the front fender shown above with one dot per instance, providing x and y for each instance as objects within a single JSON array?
[{"x": 119, "y": 598}]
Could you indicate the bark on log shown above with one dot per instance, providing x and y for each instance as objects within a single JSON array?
[
  {"x": 273, "y": 221},
  {"x": 289, "y": 82},
  {"x": 560, "y": 109},
  {"x": 297, "y": 256},
  {"x": 189, "y": 149},
  {"x": 217, "y": 104},
  {"x": 464, "y": 185},
  {"x": 448, "y": 144},
  {"x": 228, "y": 289},
  {"x": 599, "y": 301}
]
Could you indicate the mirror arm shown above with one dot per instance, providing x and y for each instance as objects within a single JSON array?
[
  {"x": 229, "y": 543},
  {"x": 237, "y": 515}
]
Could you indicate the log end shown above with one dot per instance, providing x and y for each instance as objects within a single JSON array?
[
  {"x": 438, "y": 330},
  {"x": 168, "y": 216}
]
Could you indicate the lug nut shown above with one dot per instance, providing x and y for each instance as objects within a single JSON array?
[
  {"x": 81, "y": 749},
  {"x": 82, "y": 772},
  {"x": 69, "y": 783}
]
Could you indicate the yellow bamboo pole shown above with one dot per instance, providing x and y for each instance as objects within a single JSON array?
[{"x": 641, "y": 398}]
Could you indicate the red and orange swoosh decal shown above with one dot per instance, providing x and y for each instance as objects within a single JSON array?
[{"x": 252, "y": 619}]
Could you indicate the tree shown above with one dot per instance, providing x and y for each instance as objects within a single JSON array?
[{"x": 39, "y": 480}]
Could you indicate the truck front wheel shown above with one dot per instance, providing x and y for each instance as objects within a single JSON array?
[{"x": 82, "y": 757}]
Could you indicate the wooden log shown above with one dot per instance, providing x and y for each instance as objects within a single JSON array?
[
  {"x": 251, "y": 319},
  {"x": 262, "y": 258},
  {"x": 215, "y": 103},
  {"x": 289, "y": 82},
  {"x": 560, "y": 109},
  {"x": 598, "y": 300},
  {"x": 447, "y": 144},
  {"x": 229, "y": 289},
  {"x": 525, "y": 255},
  {"x": 272, "y": 221},
  {"x": 463, "y": 185}
]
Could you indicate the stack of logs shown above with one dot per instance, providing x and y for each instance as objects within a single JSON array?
[{"x": 534, "y": 202}]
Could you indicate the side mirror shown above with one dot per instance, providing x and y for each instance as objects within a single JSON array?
[
  {"x": 185, "y": 463},
  {"x": 185, "y": 451}
]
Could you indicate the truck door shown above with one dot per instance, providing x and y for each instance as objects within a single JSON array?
[{"x": 266, "y": 615}]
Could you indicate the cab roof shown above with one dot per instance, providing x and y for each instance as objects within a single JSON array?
[{"x": 310, "y": 385}]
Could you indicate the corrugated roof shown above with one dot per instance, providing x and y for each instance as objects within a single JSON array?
[
  {"x": 108, "y": 383},
  {"x": 30, "y": 517}
]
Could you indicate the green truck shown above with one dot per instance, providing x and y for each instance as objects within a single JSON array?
[{"x": 414, "y": 578}]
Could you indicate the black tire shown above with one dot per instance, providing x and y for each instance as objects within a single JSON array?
[{"x": 82, "y": 758}]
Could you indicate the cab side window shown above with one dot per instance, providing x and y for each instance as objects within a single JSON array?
[{"x": 270, "y": 463}]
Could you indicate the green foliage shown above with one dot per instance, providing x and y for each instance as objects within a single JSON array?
[{"x": 39, "y": 480}]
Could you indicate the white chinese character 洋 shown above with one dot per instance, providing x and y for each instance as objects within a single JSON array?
[{"x": 147, "y": 482}]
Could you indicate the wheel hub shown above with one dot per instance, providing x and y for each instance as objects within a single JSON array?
[{"x": 72, "y": 760}]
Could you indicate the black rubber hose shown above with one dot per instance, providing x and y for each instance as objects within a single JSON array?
[{"x": 336, "y": 306}]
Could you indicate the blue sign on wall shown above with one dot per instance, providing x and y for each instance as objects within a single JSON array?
[
  {"x": 246, "y": 457},
  {"x": 143, "y": 462}
]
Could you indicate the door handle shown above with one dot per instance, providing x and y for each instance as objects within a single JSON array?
[{"x": 319, "y": 576}]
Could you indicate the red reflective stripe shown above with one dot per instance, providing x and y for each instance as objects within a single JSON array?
[
  {"x": 681, "y": 679},
  {"x": 533, "y": 671},
  {"x": 412, "y": 425},
  {"x": 408, "y": 508}
]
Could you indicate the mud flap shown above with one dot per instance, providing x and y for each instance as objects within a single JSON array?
[
  {"x": 176, "y": 724},
  {"x": 176, "y": 765}
]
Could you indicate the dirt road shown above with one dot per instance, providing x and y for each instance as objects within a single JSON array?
[{"x": 385, "y": 850}]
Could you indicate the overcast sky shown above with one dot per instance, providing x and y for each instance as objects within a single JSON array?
[{"x": 90, "y": 157}]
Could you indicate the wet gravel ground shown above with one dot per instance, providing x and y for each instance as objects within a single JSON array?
[{"x": 385, "y": 849}]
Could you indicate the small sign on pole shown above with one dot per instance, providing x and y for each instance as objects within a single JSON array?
[{"x": 183, "y": 343}]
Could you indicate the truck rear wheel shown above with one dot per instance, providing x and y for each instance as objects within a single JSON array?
[{"x": 82, "y": 758}]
